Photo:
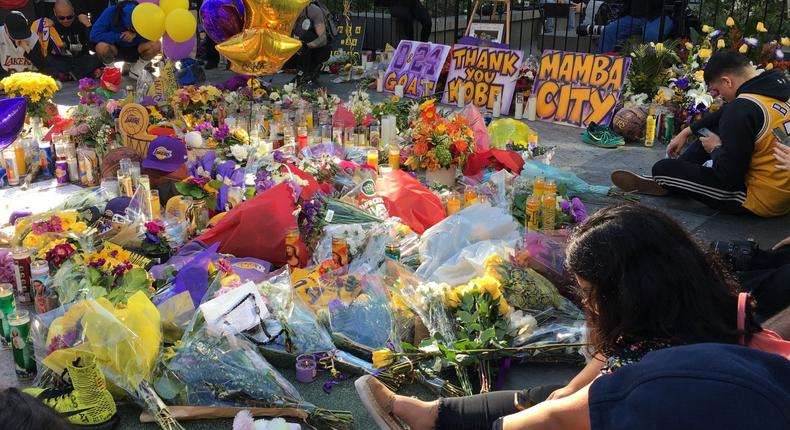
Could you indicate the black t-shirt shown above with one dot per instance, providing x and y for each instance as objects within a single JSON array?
[{"x": 74, "y": 36}]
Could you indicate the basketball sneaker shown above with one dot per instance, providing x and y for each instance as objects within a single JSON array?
[{"x": 87, "y": 403}]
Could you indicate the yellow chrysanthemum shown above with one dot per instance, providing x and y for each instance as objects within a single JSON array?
[{"x": 33, "y": 241}]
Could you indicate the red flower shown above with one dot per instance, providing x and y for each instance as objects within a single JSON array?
[{"x": 154, "y": 227}]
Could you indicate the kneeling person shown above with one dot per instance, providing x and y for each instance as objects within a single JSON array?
[
  {"x": 116, "y": 39},
  {"x": 65, "y": 43},
  {"x": 737, "y": 140}
]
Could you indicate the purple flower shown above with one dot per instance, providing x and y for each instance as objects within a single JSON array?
[
  {"x": 565, "y": 206},
  {"x": 204, "y": 165},
  {"x": 152, "y": 238},
  {"x": 336, "y": 305},
  {"x": 263, "y": 181},
  {"x": 682, "y": 83},
  {"x": 279, "y": 157},
  {"x": 87, "y": 84},
  {"x": 222, "y": 132},
  {"x": 222, "y": 198},
  {"x": 578, "y": 210},
  {"x": 228, "y": 173},
  {"x": 199, "y": 181}
]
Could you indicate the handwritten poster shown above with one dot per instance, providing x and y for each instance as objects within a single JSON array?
[
  {"x": 416, "y": 65},
  {"x": 349, "y": 38},
  {"x": 578, "y": 89},
  {"x": 482, "y": 72}
]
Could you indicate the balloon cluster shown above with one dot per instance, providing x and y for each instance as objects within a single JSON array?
[
  {"x": 169, "y": 20},
  {"x": 253, "y": 34}
]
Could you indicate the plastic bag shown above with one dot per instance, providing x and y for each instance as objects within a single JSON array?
[
  {"x": 574, "y": 185},
  {"x": 476, "y": 223},
  {"x": 356, "y": 236},
  {"x": 506, "y": 130},
  {"x": 478, "y": 125}
]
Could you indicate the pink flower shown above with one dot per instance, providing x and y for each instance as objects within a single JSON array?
[
  {"x": 40, "y": 228},
  {"x": 154, "y": 227},
  {"x": 112, "y": 104}
]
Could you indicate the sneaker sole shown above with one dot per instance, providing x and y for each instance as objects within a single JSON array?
[
  {"x": 590, "y": 141},
  {"x": 371, "y": 405},
  {"x": 108, "y": 425},
  {"x": 632, "y": 183}
]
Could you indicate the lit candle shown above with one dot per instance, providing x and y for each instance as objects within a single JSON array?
[
  {"x": 380, "y": 82},
  {"x": 519, "y": 106},
  {"x": 373, "y": 158},
  {"x": 394, "y": 158},
  {"x": 305, "y": 368}
]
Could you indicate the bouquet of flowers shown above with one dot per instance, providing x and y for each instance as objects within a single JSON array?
[
  {"x": 154, "y": 240},
  {"x": 40, "y": 232},
  {"x": 650, "y": 67},
  {"x": 438, "y": 142},
  {"x": 87, "y": 92},
  {"x": 213, "y": 186},
  {"x": 37, "y": 88},
  {"x": 756, "y": 45},
  {"x": 401, "y": 108},
  {"x": 359, "y": 105}
]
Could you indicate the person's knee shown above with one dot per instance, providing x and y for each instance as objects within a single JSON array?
[
  {"x": 148, "y": 50},
  {"x": 106, "y": 52},
  {"x": 663, "y": 167}
]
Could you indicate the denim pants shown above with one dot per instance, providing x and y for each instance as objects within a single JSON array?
[{"x": 627, "y": 26}]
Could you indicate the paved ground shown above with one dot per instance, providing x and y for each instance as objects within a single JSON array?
[{"x": 590, "y": 163}]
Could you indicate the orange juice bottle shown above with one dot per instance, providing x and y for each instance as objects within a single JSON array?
[{"x": 373, "y": 158}]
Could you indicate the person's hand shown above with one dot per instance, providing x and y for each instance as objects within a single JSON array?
[
  {"x": 24, "y": 45},
  {"x": 577, "y": 7},
  {"x": 677, "y": 144},
  {"x": 710, "y": 142},
  {"x": 560, "y": 393},
  {"x": 84, "y": 19},
  {"x": 782, "y": 243},
  {"x": 128, "y": 36},
  {"x": 48, "y": 22},
  {"x": 782, "y": 155}
]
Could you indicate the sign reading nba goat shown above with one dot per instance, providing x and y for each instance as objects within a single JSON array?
[{"x": 578, "y": 89}]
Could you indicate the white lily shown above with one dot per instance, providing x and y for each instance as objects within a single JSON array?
[{"x": 699, "y": 98}]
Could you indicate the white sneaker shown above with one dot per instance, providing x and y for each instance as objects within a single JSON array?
[{"x": 137, "y": 69}]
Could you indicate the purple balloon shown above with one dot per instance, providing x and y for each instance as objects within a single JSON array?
[
  {"x": 12, "y": 118},
  {"x": 222, "y": 19},
  {"x": 177, "y": 50}
]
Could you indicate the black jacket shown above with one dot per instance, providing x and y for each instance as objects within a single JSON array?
[{"x": 738, "y": 123}]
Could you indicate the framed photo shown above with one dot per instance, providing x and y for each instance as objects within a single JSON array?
[{"x": 489, "y": 31}]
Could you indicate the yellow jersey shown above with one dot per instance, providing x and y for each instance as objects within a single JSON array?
[{"x": 768, "y": 188}]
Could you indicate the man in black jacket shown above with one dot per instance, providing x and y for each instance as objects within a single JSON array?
[
  {"x": 65, "y": 42},
  {"x": 641, "y": 18},
  {"x": 737, "y": 140}
]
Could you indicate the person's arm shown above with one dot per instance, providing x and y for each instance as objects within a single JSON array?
[
  {"x": 35, "y": 56},
  {"x": 102, "y": 30},
  {"x": 782, "y": 155},
  {"x": 582, "y": 379},
  {"x": 709, "y": 121},
  {"x": 569, "y": 413},
  {"x": 732, "y": 149},
  {"x": 315, "y": 15}
]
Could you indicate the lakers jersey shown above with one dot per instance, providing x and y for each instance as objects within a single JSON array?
[{"x": 768, "y": 188}]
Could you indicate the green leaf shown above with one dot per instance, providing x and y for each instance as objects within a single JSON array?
[
  {"x": 466, "y": 317},
  {"x": 215, "y": 183},
  {"x": 487, "y": 335},
  {"x": 183, "y": 188},
  {"x": 211, "y": 202},
  {"x": 407, "y": 347},
  {"x": 197, "y": 193}
]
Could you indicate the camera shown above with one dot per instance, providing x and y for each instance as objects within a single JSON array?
[
  {"x": 590, "y": 30},
  {"x": 736, "y": 254}
]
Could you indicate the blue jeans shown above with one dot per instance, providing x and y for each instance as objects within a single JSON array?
[{"x": 628, "y": 26}]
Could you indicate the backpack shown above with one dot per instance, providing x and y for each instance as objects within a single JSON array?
[
  {"x": 329, "y": 19},
  {"x": 765, "y": 340}
]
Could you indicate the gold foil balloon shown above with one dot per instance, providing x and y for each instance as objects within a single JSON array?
[
  {"x": 259, "y": 51},
  {"x": 277, "y": 15}
]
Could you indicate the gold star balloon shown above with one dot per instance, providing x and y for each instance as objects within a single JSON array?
[
  {"x": 277, "y": 15},
  {"x": 258, "y": 51},
  {"x": 264, "y": 44}
]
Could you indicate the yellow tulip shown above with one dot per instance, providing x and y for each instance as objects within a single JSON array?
[
  {"x": 743, "y": 49},
  {"x": 761, "y": 27},
  {"x": 659, "y": 46},
  {"x": 730, "y": 22},
  {"x": 704, "y": 53},
  {"x": 382, "y": 358},
  {"x": 706, "y": 28},
  {"x": 769, "y": 66},
  {"x": 720, "y": 44},
  {"x": 785, "y": 41},
  {"x": 689, "y": 46},
  {"x": 699, "y": 75}
]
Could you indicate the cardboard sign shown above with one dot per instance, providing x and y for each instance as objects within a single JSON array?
[
  {"x": 133, "y": 125},
  {"x": 578, "y": 89},
  {"x": 416, "y": 65},
  {"x": 349, "y": 38},
  {"x": 483, "y": 72},
  {"x": 166, "y": 84}
]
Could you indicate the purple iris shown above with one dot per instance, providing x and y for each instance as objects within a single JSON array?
[
  {"x": 203, "y": 166},
  {"x": 682, "y": 83},
  {"x": 263, "y": 181},
  {"x": 230, "y": 175},
  {"x": 222, "y": 198},
  {"x": 222, "y": 132},
  {"x": 578, "y": 211}
]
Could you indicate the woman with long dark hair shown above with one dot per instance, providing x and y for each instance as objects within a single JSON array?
[{"x": 646, "y": 285}]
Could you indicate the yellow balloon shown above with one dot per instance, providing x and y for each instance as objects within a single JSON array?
[
  {"x": 180, "y": 25},
  {"x": 277, "y": 15},
  {"x": 171, "y": 5},
  {"x": 259, "y": 51},
  {"x": 149, "y": 21}
]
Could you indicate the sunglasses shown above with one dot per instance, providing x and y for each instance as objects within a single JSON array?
[{"x": 65, "y": 18}]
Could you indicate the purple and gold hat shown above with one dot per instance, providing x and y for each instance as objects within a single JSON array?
[{"x": 165, "y": 153}]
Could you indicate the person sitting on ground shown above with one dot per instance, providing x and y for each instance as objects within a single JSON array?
[
  {"x": 311, "y": 30},
  {"x": 65, "y": 43},
  {"x": 116, "y": 39},
  {"x": 646, "y": 285},
  {"x": 20, "y": 411},
  {"x": 737, "y": 138},
  {"x": 641, "y": 19},
  {"x": 18, "y": 45}
]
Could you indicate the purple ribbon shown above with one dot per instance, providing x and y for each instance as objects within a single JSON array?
[{"x": 503, "y": 369}]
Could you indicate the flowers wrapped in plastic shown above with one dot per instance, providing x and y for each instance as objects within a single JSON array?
[{"x": 125, "y": 340}]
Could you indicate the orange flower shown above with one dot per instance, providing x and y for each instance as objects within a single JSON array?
[
  {"x": 420, "y": 148},
  {"x": 461, "y": 145},
  {"x": 428, "y": 115}
]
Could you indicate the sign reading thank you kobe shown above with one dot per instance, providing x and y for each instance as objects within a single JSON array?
[{"x": 579, "y": 89}]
